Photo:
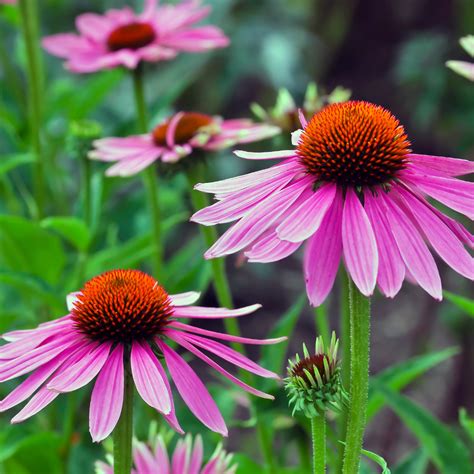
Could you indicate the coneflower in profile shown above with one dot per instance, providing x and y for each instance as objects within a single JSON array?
[
  {"x": 187, "y": 458},
  {"x": 353, "y": 189},
  {"x": 119, "y": 323}
]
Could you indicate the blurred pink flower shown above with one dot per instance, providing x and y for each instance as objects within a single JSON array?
[
  {"x": 354, "y": 190},
  {"x": 187, "y": 459},
  {"x": 124, "y": 38},
  {"x": 121, "y": 316},
  {"x": 176, "y": 138},
  {"x": 8, "y": 2}
]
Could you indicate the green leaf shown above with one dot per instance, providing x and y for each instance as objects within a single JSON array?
[
  {"x": 29, "y": 249},
  {"x": 273, "y": 356},
  {"x": 400, "y": 375},
  {"x": 415, "y": 463},
  {"x": 467, "y": 423},
  {"x": 447, "y": 451},
  {"x": 10, "y": 162},
  {"x": 377, "y": 459},
  {"x": 463, "y": 303},
  {"x": 71, "y": 229}
]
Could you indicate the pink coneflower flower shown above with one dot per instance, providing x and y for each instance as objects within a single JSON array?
[
  {"x": 187, "y": 459},
  {"x": 121, "y": 319},
  {"x": 353, "y": 189},
  {"x": 176, "y": 138},
  {"x": 124, "y": 38}
]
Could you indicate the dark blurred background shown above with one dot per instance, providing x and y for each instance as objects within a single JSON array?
[{"x": 388, "y": 52}]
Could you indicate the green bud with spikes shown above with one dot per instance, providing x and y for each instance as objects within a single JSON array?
[{"x": 314, "y": 382}]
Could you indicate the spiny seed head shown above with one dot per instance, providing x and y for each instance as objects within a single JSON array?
[
  {"x": 132, "y": 36},
  {"x": 314, "y": 381},
  {"x": 354, "y": 143},
  {"x": 122, "y": 306},
  {"x": 187, "y": 128}
]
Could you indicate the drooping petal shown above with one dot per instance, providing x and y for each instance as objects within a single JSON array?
[
  {"x": 181, "y": 456},
  {"x": 81, "y": 373},
  {"x": 107, "y": 397},
  {"x": 412, "y": 248},
  {"x": 184, "y": 299},
  {"x": 256, "y": 222},
  {"x": 196, "y": 456},
  {"x": 391, "y": 267},
  {"x": 269, "y": 155},
  {"x": 323, "y": 254},
  {"x": 148, "y": 379},
  {"x": 39, "y": 401},
  {"x": 193, "y": 391},
  {"x": 213, "y": 313},
  {"x": 305, "y": 219},
  {"x": 443, "y": 165},
  {"x": 143, "y": 459},
  {"x": 443, "y": 240},
  {"x": 161, "y": 456},
  {"x": 269, "y": 248},
  {"x": 359, "y": 244},
  {"x": 181, "y": 339}
]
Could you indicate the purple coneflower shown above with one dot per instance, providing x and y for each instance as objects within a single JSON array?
[
  {"x": 354, "y": 190},
  {"x": 175, "y": 138},
  {"x": 124, "y": 38},
  {"x": 187, "y": 458},
  {"x": 120, "y": 322}
]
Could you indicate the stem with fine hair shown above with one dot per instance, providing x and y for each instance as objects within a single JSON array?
[
  {"x": 209, "y": 234},
  {"x": 318, "y": 435},
  {"x": 123, "y": 432},
  {"x": 359, "y": 310},
  {"x": 29, "y": 22},
  {"x": 149, "y": 178}
]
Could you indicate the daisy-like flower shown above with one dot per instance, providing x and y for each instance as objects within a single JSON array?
[
  {"x": 352, "y": 188},
  {"x": 175, "y": 138},
  {"x": 187, "y": 458},
  {"x": 120, "y": 321},
  {"x": 464, "y": 68},
  {"x": 125, "y": 38}
]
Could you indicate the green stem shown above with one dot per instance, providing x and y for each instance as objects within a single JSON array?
[
  {"x": 209, "y": 234},
  {"x": 359, "y": 307},
  {"x": 149, "y": 179},
  {"x": 86, "y": 191},
  {"x": 318, "y": 434},
  {"x": 124, "y": 430},
  {"x": 322, "y": 323},
  {"x": 29, "y": 21}
]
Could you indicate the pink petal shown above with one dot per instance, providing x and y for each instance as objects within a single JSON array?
[
  {"x": 213, "y": 313},
  {"x": 359, "y": 244},
  {"x": 256, "y": 222},
  {"x": 193, "y": 391},
  {"x": 161, "y": 456},
  {"x": 143, "y": 459},
  {"x": 443, "y": 240},
  {"x": 107, "y": 397},
  {"x": 269, "y": 248},
  {"x": 81, "y": 373},
  {"x": 39, "y": 401},
  {"x": 133, "y": 165},
  {"x": 181, "y": 456},
  {"x": 95, "y": 27},
  {"x": 197, "y": 39},
  {"x": 225, "y": 337},
  {"x": 441, "y": 164},
  {"x": 391, "y": 267},
  {"x": 305, "y": 219},
  {"x": 184, "y": 299},
  {"x": 147, "y": 378},
  {"x": 65, "y": 45},
  {"x": 268, "y": 155},
  {"x": 413, "y": 249},
  {"x": 323, "y": 254},
  {"x": 196, "y": 457},
  {"x": 454, "y": 193},
  {"x": 185, "y": 342}
]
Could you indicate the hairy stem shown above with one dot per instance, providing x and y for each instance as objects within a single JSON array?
[{"x": 318, "y": 435}]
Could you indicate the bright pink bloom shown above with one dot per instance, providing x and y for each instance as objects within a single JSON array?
[
  {"x": 120, "y": 318},
  {"x": 124, "y": 38},
  {"x": 175, "y": 138},
  {"x": 186, "y": 459},
  {"x": 353, "y": 190}
]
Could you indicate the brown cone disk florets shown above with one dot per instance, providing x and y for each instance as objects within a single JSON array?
[
  {"x": 122, "y": 305},
  {"x": 187, "y": 127},
  {"x": 354, "y": 143},
  {"x": 308, "y": 363},
  {"x": 131, "y": 36}
]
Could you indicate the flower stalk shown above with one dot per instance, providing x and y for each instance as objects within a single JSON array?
[
  {"x": 29, "y": 21},
  {"x": 123, "y": 432},
  {"x": 318, "y": 435},
  {"x": 359, "y": 310},
  {"x": 149, "y": 178}
]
